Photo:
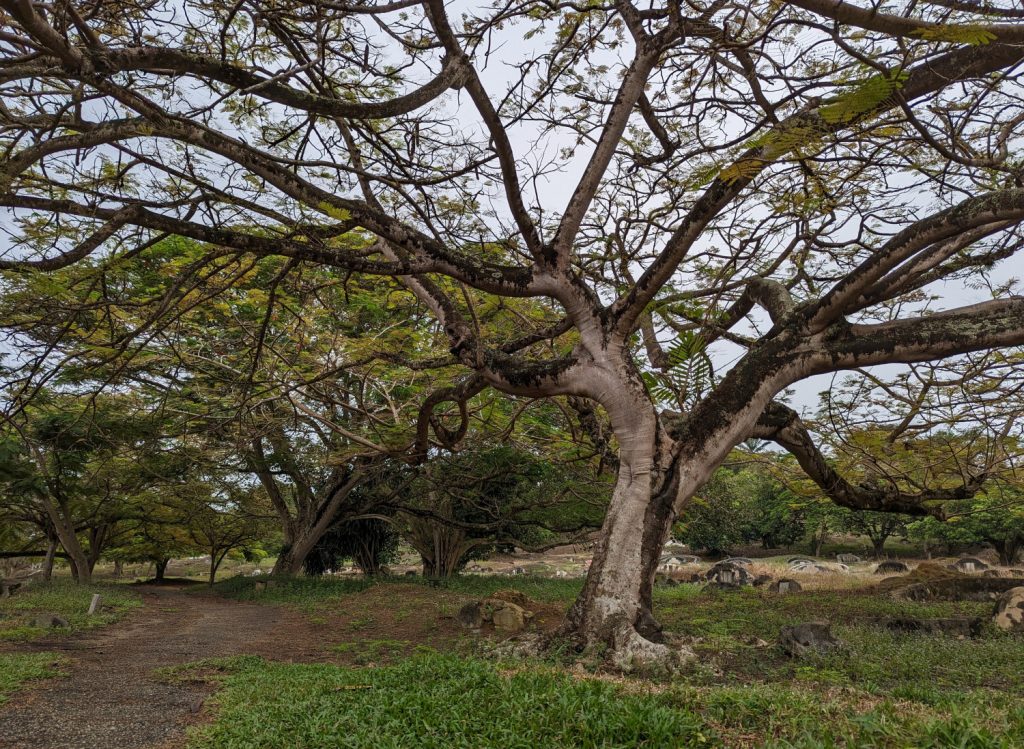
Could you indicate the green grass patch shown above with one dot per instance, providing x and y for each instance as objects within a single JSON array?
[
  {"x": 66, "y": 600},
  {"x": 438, "y": 702},
  {"x": 18, "y": 668}
]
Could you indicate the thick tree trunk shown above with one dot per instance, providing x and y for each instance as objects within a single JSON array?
[
  {"x": 118, "y": 569},
  {"x": 1008, "y": 550},
  {"x": 663, "y": 462},
  {"x": 292, "y": 557},
  {"x": 81, "y": 572},
  {"x": 161, "y": 568},
  {"x": 614, "y": 608},
  {"x": 878, "y": 546}
]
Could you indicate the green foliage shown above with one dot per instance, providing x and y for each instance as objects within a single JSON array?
[
  {"x": 18, "y": 668},
  {"x": 370, "y": 543},
  {"x": 974, "y": 35},
  {"x": 439, "y": 701},
  {"x": 995, "y": 516},
  {"x": 690, "y": 374},
  {"x": 862, "y": 99},
  {"x": 740, "y": 507}
]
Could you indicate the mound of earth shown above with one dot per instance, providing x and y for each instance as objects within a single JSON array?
[{"x": 930, "y": 581}]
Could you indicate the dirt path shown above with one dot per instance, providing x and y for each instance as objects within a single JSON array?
[{"x": 111, "y": 698}]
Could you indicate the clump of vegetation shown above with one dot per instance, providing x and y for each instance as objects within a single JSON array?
[
  {"x": 66, "y": 600},
  {"x": 18, "y": 668},
  {"x": 439, "y": 701}
]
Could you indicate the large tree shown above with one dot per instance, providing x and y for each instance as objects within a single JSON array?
[{"x": 765, "y": 177}]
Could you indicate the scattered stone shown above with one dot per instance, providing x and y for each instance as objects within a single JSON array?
[
  {"x": 800, "y": 560},
  {"x": 471, "y": 616},
  {"x": 954, "y": 627},
  {"x": 892, "y": 567},
  {"x": 848, "y": 558},
  {"x": 49, "y": 621},
  {"x": 8, "y": 588},
  {"x": 738, "y": 560},
  {"x": 1009, "y": 615},
  {"x": 509, "y": 618},
  {"x": 800, "y": 639},
  {"x": 785, "y": 585}
]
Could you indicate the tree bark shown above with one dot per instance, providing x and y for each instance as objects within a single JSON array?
[
  {"x": 614, "y": 609},
  {"x": 878, "y": 546},
  {"x": 161, "y": 568},
  {"x": 1008, "y": 550},
  {"x": 51, "y": 552}
]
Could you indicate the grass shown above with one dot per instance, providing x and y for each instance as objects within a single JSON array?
[
  {"x": 433, "y": 701},
  {"x": 883, "y": 689},
  {"x": 63, "y": 599},
  {"x": 18, "y": 668}
]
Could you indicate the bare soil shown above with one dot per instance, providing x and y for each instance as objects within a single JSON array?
[{"x": 111, "y": 696}]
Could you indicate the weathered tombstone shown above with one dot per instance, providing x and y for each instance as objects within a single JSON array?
[
  {"x": 847, "y": 558},
  {"x": 471, "y": 615},
  {"x": 785, "y": 585},
  {"x": 970, "y": 564},
  {"x": 94, "y": 604},
  {"x": 800, "y": 639}
]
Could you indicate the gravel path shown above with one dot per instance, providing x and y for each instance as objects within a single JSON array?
[{"x": 111, "y": 700}]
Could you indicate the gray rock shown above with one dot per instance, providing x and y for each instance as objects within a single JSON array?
[
  {"x": 49, "y": 621},
  {"x": 847, "y": 558},
  {"x": 510, "y": 618},
  {"x": 800, "y": 560},
  {"x": 1009, "y": 614},
  {"x": 800, "y": 639},
  {"x": 738, "y": 560}
]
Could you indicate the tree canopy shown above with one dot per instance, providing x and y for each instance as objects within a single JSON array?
[{"x": 796, "y": 188}]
